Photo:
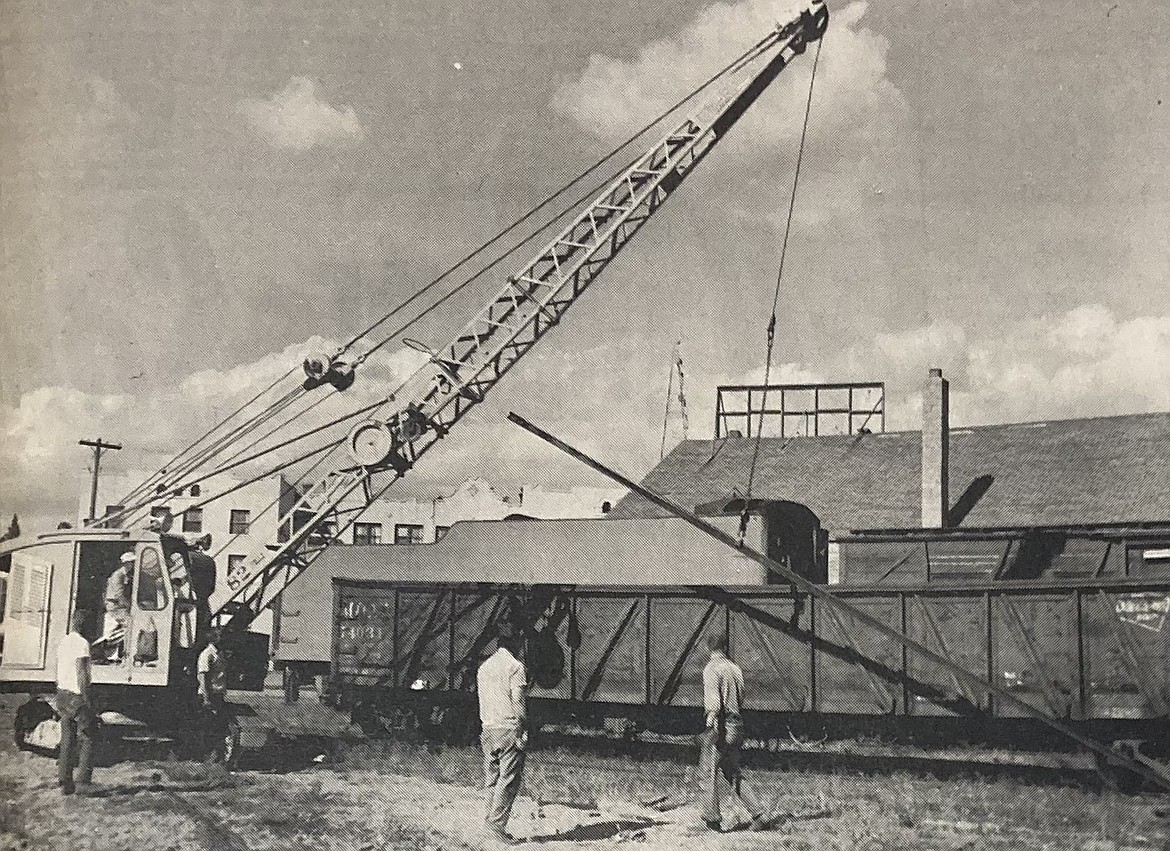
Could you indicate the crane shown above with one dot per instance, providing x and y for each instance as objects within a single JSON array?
[{"x": 458, "y": 375}]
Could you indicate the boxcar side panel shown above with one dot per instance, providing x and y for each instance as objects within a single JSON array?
[
  {"x": 364, "y": 636},
  {"x": 1035, "y": 651},
  {"x": 858, "y": 668},
  {"x": 611, "y": 663},
  {"x": 474, "y": 629},
  {"x": 955, "y": 627},
  {"x": 1127, "y": 654},
  {"x": 679, "y": 627},
  {"x": 423, "y": 637},
  {"x": 769, "y": 640}
]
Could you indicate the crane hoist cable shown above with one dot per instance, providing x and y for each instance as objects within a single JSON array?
[
  {"x": 153, "y": 477},
  {"x": 748, "y": 55},
  {"x": 179, "y": 460},
  {"x": 745, "y": 57},
  {"x": 328, "y": 449},
  {"x": 669, "y": 396},
  {"x": 743, "y": 516},
  {"x": 676, "y": 366},
  {"x": 127, "y": 514}
]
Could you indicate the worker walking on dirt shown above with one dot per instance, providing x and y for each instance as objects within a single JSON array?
[
  {"x": 212, "y": 676},
  {"x": 720, "y": 743},
  {"x": 78, "y": 721},
  {"x": 503, "y": 711}
]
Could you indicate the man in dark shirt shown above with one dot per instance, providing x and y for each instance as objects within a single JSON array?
[{"x": 720, "y": 743}]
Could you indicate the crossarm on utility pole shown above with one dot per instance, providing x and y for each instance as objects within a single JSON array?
[
  {"x": 98, "y": 445},
  {"x": 841, "y": 605}
]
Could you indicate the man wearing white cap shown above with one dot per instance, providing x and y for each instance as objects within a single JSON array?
[{"x": 118, "y": 590}]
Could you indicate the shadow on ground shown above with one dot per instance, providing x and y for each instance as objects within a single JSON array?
[{"x": 600, "y": 831}]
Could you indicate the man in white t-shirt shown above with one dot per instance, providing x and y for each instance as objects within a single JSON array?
[
  {"x": 212, "y": 677},
  {"x": 78, "y": 721},
  {"x": 502, "y": 684}
]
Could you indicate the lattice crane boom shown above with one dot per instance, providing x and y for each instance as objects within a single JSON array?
[{"x": 459, "y": 375}]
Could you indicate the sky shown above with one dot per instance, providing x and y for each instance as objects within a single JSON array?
[{"x": 195, "y": 194}]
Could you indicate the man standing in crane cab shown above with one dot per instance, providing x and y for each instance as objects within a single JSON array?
[
  {"x": 502, "y": 683},
  {"x": 118, "y": 590},
  {"x": 78, "y": 721},
  {"x": 721, "y": 741}
]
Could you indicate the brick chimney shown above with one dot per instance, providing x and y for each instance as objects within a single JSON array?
[{"x": 935, "y": 450}]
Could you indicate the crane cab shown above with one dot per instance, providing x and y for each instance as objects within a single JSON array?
[{"x": 143, "y": 609}]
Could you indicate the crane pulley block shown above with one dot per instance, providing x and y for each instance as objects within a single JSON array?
[{"x": 320, "y": 370}]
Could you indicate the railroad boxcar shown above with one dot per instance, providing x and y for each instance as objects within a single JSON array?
[{"x": 1071, "y": 620}]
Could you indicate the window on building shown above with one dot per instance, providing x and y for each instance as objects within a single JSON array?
[
  {"x": 241, "y": 520},
  {"x": 407, "y": 533},
  {"x": 195, "y": 490},
  {"x": 367, "y": 533},
  {"x": 193, "y": 520},
  {"x": 606, "y": 507},
  {"x": 113, "y": 522},
  {"x": 440, "y": 531}
]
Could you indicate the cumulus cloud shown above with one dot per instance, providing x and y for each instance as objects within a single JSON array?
[
  {"x": 44, "y": 468},
  {"x": 857, "y": 152},
  {"x": 612, "y": 97},
  {"x": 1085, "y": 362},
  {"x": 297, "y": 119}
]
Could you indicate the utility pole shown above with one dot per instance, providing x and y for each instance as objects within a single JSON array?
[{"x": 98, "y": 445}]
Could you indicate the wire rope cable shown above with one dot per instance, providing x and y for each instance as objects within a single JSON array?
[{"x": 743, "y": 517}]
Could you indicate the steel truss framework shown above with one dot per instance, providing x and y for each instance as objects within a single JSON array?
[
  {"x": 460, "y": 374},
  {"x": 780, "y": 410}
]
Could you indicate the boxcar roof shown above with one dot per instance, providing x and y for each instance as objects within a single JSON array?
[
  {"x": 1084, "y": 471},
  {"x": 589, "y": 552}
]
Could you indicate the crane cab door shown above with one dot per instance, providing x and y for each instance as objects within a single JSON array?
[
  {"x": 133, "y": 636},
  {"x": 151, "y": 612}
]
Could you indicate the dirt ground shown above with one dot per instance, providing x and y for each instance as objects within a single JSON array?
[{"x": 368, "y": 796}]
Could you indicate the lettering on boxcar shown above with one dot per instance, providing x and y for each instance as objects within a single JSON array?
[
  {"x": 362, "y": 633},
  {"x": 1145, "y": 610},
  {"x": 366, "y": 609}
]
